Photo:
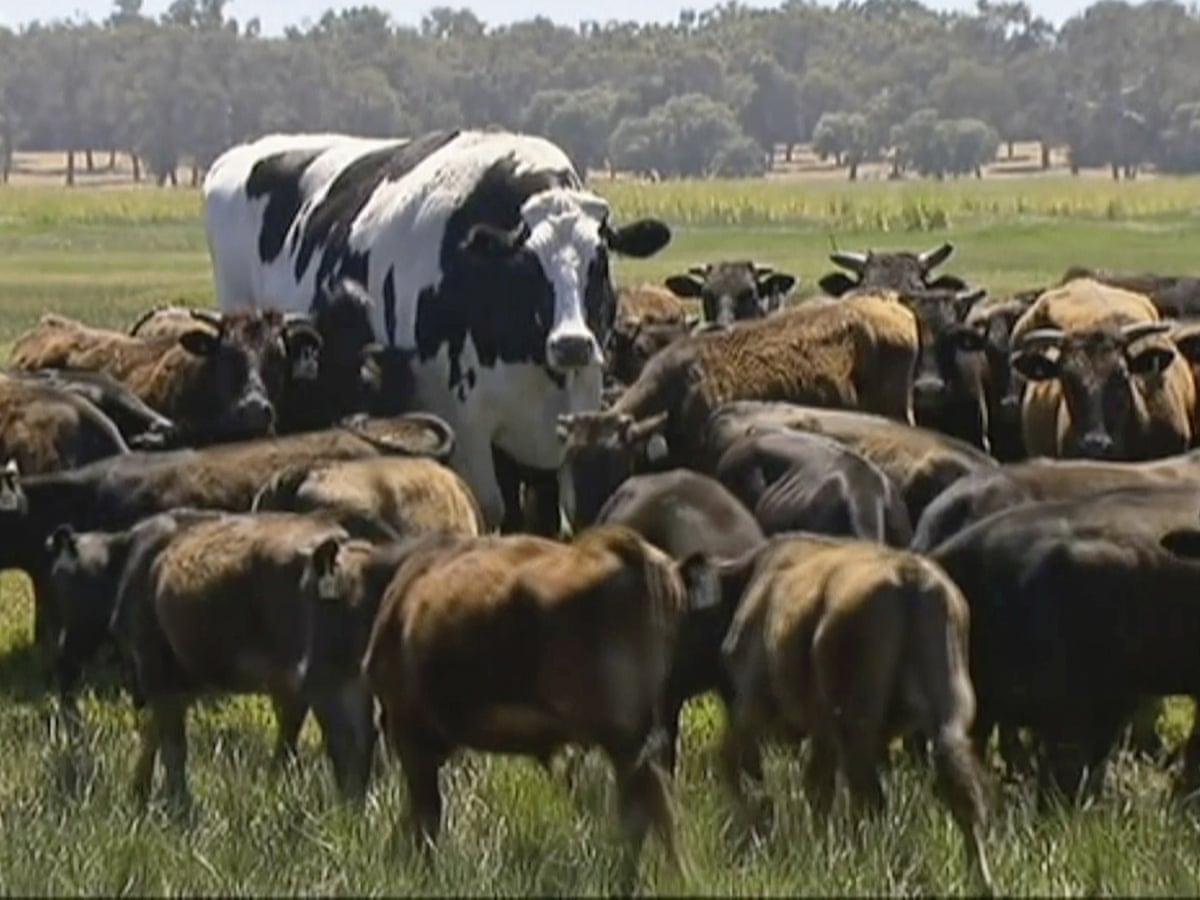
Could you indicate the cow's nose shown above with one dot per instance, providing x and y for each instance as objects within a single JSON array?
[
  {"x": 257, "y": 414},
  {"x": 927, "y": 387},
  {"x": 1096, "y": 444},
  {"x": 572, "y": 351}
]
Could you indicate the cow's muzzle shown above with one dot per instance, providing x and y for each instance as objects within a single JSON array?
[
  {"x": 573, "y": 351},
  {"x": 255, "y": 415},
  {"x": 1096, "y": 445}
]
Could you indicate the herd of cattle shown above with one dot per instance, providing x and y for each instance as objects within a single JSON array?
[{"x": 429, "y": 474}]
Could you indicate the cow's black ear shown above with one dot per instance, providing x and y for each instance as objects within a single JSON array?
[
  {"x": 1151, "y": 361},
  {"x": 1035, "y": 365},
  {"x": 1184, "y": 543},
  {"x": 60, "y": 540},
  {"x": 777, "y": 283},
  {"x": 639, "y": 239},
  {"x": 836, "y": 283},
  {"x": 684, "y": 285},
  {"x": 489, "y": 242},
  {"x": 199, "y": 342},
  {"x": 947, "y": 282}
]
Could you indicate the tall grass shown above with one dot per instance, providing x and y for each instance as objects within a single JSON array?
[{"x": 873, "y": 205}]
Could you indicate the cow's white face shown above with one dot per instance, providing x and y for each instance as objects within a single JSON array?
[{"x": 564, "y": 235}]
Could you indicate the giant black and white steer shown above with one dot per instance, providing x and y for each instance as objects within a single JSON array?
[{"x": 490, "y": 256}]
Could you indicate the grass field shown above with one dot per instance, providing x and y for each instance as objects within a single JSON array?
[{"x": 104, "y": 255}]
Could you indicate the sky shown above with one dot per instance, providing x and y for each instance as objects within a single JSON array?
[{"x": 275, "y": 14}]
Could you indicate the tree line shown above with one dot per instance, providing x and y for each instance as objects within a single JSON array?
[{"x": 712, "y": 94}]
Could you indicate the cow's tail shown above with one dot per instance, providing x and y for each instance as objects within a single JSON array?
[{"x": 440, "y": 450}]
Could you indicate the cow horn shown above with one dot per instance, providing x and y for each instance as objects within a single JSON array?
[
  {"x": 294, "y": 319},
  {"x": 699, "y": 271},
  {"x": 762, "y": 271},
  {"x": 848, "y": 259},
  {"x": 212, "y": 317},
  {"x": 931, "y": 259},
  {"x": 1041, "y": 336},
  {"x": 440, "y": 427},
  {"x": 1138, "y": 330}
]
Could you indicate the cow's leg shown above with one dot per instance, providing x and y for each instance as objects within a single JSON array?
[
  {"x": 171, "y": 712},
  {"x": 508, "y": 480},
  {"x": 344, "y": 715},
  {"x": 643, "y": 800},
  {"x": 960, "y": 784},
  {"x": 143, "y": 769},
  {"x": 290, "y": 713},
  {"x": 820, "y": 775},
  {"x": 421, "y": 757}
]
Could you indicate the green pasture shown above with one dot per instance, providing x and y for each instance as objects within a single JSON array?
[{"x": 66, "y": 825}]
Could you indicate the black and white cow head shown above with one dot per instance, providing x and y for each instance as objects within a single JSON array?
[
  {"x": 733, "y": 290},
  {"x": 560, "y": 247}
]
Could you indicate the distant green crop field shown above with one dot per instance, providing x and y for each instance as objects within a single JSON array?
[{"x": 105, "y": 255}]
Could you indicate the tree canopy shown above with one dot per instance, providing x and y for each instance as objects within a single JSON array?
[{"x": 715, "y": 93}]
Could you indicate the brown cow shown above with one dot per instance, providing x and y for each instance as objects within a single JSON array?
[
  {"x": 46, "y": 428},
  {"x": 733, "y": 290},
  {"x": 994, "y": 318},
  {"x": 856, "y": 353},
  {"x": 407, "y": 494},
  {"x": 849, "y": 643},
  {"x": 1107, "y": 383},
  {"x": 213, "y": 385},
  {"x": 520, "y": 644},
  {"x": 1172, "y": 295},
  {"x": 222, "y": 607}
]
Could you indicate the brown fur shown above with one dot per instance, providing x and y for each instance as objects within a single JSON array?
[
  {"x": 851, "y": 644},
  {"x": 519, "y": 645},
  {"x": 410, "y": 495},
  {"x": 648, "y": 302},
  {"x": 854, "y": 353},
  {"x": 167, "y": 321},
  {"x": 47, "y": 429},
  {"x": 224, "y": 611}
]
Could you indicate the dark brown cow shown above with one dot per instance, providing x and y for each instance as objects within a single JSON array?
[
  {"x": 409, "y": 495},
  {"x": 900, "y": 270},
  {"x": 994, "y": 318},
  {"x": 631, "y": 346},
  {"x": 521, "y": 645},
  {"x": 223, "y": 607},
  {"x": 1080, "y": 608},
  {"x": 850, "y": 644},
  {"x": 682, "y": 513},
  {"x": 798, "y": 481},
  {"x": 44, "y": 428},
  {"x": 733, "y": 290},
  {"x": 214, "y": 385},
  {"x": 920, "y": 462},
  {"x": 852, "y": 353}
]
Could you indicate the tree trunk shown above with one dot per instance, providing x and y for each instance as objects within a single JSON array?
[
  {"x": 174, "y": 177},
  {"x": 70, "y": 168},
  {"x": 1045, "y": 155},
  {"x": 854, "y": 170},
  {"x": 1010, "y": 149},
  {"x": 89, "y": 161},
  {"x": 978, "y": 172},
  {"x": 112, "y": 160},
  {"x": 137, "y": 167},
  {"x": 788, "y": 149},
  {"x": 1116, "y": 171},
  {"x": 195, "y": 174}
]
